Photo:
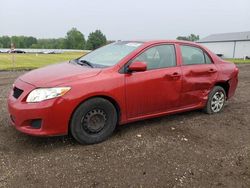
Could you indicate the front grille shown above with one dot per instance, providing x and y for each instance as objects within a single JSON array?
[{"x": 17, "y": 92}]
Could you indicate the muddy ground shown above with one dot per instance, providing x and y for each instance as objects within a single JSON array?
[{"x": 190, "y": 149}]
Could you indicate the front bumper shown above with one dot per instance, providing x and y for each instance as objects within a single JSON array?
[{"x": 50, "y": 114}]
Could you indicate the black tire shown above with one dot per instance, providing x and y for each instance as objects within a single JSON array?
[
  {"x": 93, "y": 121},
  {"x": 210, "y": 106}
]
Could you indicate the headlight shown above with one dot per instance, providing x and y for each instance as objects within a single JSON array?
[{"x": 41, "y": 94}]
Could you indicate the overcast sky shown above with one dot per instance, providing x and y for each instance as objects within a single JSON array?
[{"x": 124, "y": 19}]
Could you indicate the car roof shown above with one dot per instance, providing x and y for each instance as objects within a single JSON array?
[
  {"x": 150, "y": 42},
  {"x": 170, "y": 41}
]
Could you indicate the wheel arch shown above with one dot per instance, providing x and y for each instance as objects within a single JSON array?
[
  {"x": 225, "y": 85},
  {"x": 110, "y": 99}
]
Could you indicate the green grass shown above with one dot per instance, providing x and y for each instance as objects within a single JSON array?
[
  {"x": 32, "y": 61},
  {"x": 239, "y": 60}
]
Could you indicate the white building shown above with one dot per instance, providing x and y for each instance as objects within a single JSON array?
[{"x": 228, "y": 45}]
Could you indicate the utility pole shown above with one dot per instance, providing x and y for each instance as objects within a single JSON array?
[{"x": 13, "y": 54}]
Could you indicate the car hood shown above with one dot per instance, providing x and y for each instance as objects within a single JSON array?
[{"x": 57, "y": 74}]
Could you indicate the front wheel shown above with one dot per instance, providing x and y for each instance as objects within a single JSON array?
[
  {"x": 216, "y": 100},
  {"x": 93, "y": 121}
]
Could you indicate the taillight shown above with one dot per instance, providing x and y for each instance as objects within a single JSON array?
[{"x": 236, "y": 70}]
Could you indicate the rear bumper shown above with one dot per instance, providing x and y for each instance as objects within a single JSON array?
[
  {"x": 233, "y": 83},
  {"x": 49, "y": 114}
]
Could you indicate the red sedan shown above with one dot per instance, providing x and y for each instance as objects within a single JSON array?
[{"x": 120, "y": 83}]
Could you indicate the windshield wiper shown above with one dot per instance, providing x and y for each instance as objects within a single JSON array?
[
  {"x": 85, "y": 62},
  {"x": 72, "y": 61}
]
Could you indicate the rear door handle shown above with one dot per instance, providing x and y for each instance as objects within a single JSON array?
[{"x": 211, "y": 70}]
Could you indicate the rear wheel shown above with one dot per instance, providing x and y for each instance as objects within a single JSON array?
[
  {"x": 93, "y": 121},
  {"x": 216, "y": 100}
]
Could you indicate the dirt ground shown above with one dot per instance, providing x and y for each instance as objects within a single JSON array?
[{"x": 190, "y": 149}]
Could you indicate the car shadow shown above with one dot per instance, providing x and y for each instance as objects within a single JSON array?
[
  {"x": 55, "y": 141},
  {"x": 156, "y": 121},
  {"x": 68, "y": 140}
]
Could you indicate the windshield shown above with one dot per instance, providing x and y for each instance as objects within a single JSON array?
[{"x": 109, "y": 55}]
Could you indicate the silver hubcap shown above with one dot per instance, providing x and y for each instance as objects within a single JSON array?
[{"x": 217, "y": 101}]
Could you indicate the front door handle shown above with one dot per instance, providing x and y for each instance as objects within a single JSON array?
[{"x": 174, "y": 75}]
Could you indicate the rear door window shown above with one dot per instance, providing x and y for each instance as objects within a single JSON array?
[
  {"x": 208, "y": 60},
  {"x": 192, "y": 55}
]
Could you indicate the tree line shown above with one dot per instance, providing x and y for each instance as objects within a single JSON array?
[
  {"x": 74, "y": 39},
  {"x": 191, "y": 37}
]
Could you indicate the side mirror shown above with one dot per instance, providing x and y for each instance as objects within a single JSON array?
[{"x": 137, "y": 66}]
